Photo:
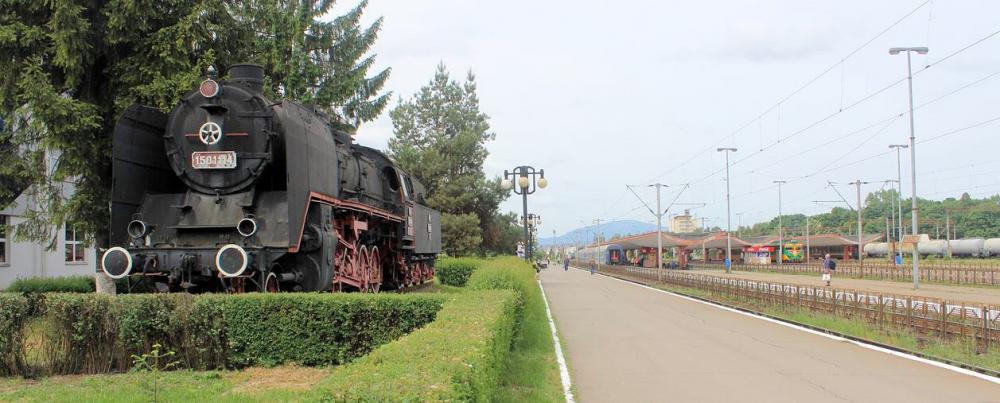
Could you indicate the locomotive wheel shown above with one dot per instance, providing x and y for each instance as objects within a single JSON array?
[
  {"x": 308, "y": 274},
  {"x": 271, "y": 283},
  {"x": 364, "y": 264},
  {"x": 375, "y": 270}
]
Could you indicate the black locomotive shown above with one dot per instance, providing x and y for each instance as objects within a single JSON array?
[{"x": 234, "y": 192}]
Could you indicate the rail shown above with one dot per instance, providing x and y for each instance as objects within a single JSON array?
[
  {"x": 976, "y": 322},
  {"x": 954, "y": 274}
]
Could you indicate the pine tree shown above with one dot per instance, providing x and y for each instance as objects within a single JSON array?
[
  {"x": 69, "y": 68},
  {"x": 440, "y": 137}
]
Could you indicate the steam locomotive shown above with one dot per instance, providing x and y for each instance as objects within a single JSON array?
[{"x": 231, "y": 191}]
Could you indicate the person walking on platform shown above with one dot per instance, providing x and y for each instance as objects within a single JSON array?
[
  {"x": 829, "y": 265},
  {"x": 566, "y": 263}
]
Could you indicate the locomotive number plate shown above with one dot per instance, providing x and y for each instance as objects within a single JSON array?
[{"x": 213, "y": 159}]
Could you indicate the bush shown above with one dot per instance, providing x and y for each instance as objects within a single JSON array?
[
  {"x": 77, "y": 284},
  {"x": 455, "y": 271},
  {"x": 13, "y": 315},
  {"x": 317, "y": 329},
  {"x": 96, "y": 333},
  {"x": 458, "y": 357}
]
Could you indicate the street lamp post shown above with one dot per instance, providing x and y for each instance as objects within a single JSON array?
[
  {"x": 729, "y": 221},
  {"x": 528, "y": 181},
  {"x": 781, "y": 228},
  {"x": 913, "y": 155}
]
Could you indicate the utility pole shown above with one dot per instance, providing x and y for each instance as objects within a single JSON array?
[
  {"x": 659, "y": 213},
  {"x": 739, "y": 225},
  {"x": 807, "y": 238},
  {"x": 781, "y": 228},
  {"x": 899, "y": 192},
  {"x": 659, "y": 231},
  {"x": 729, "y": 223},
  {"x": 947, "y": 225},
  {"x": 600, "y": 254},
  {"x": 861, "y": 254}
]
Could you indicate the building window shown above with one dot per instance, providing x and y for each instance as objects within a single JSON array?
[
  {"x": 74, "y": 246},
  {"x": 4, "y": 245}
]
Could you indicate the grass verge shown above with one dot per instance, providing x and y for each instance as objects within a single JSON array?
[{"x": 252, "y": 385}]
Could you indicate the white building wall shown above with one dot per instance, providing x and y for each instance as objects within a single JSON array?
[{"x": 30, "y": 259}]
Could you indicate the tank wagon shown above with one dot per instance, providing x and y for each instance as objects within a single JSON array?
[
  {"x": 232, "y": 191},
  {"x": 971, "y": 247}
]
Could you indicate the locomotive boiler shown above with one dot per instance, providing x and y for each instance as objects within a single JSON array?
[{"x": 232, "y": 191}]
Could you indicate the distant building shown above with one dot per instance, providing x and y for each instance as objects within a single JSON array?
[
  {"x": 68, "y": 257},
  {"x": 683, "y": 223}
]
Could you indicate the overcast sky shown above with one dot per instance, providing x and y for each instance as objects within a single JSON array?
[{"x": 604, "y": 94}]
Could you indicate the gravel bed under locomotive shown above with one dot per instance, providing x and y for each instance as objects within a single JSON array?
[{"x": 233, "y": 192}]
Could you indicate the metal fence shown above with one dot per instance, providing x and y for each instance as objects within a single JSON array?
[
  {"x": 881, "y": 270},
  {"x": 978, "y": 322}
]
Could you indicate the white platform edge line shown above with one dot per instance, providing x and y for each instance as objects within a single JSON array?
[
  {"x": 827, "y": 335},
  {"x": 563, "y": 369}
]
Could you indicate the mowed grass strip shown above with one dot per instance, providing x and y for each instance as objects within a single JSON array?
[{"x": 285, "y": 384}]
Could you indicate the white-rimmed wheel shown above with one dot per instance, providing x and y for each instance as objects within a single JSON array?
[
  {"x": 271, "y": 283},
  {"x": 116, "y": 262},
  {"x": 231, "y": 260}
]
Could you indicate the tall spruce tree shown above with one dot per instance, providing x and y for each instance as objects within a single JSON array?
[
  {"x": 68, "y": 68},
  {"x": 440, "y": 137}
]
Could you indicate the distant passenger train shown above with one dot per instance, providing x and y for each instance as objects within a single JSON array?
[
  {"x": 607, "y": 254},
  {"x": 972, "y": 247}
]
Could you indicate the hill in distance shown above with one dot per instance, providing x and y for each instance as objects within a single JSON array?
[{"x": 585, "y": 235}]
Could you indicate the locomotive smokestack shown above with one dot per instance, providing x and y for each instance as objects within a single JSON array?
[{"x": 250, "y": 76}]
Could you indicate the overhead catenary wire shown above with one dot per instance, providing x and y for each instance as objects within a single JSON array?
[
  {"x": 797, "y": 90},
  {"x": 872, "y": 95}
]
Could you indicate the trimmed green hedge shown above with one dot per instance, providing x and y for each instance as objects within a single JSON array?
[
  {"x": 318, "y": 329},
  {"x": 455, "y": 271},
  {"x": 78, "y": 284},
  {"x": 96, "y": 333},
  {"x": 458, "y": 357},
  {"x": 14, "y": 310}
]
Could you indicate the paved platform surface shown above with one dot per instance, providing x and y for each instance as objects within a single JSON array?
[
  {"x": 986, "y": 295},
  {"x": 625, "y": 343}
]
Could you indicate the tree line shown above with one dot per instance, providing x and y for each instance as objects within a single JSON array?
[
  {"x": 965, "y": 216},
  {"x": 69, "y": 68}
]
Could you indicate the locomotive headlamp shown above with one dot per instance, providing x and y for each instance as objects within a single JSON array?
[
  {"x": 522, "y": 181},
  {"x": 137, "y": 229},
  {"x": 231, "y": 260},
  {"x": 506, "y": 184},
  {"x": 208, "y": 88},
  {"x": 116, "y": 262}
]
